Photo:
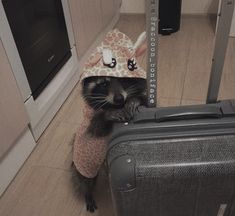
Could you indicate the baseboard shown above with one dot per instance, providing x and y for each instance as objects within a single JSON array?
[
  {"x": 11, "y": 163},
  {"x": 198, "y": 15}
]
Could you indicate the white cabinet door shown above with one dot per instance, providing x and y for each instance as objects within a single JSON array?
[
  {"x": 13, "y": 117},
  {"x": 87, "y": 22},
  {"x": 108, "y": 11},
  {"x": 232, "y": 32},
  {"x": 89, "y": 18},
  {"x": 78, "y": 26},
  {"x": 117, "y": 4},
  {"x": 92, "y": 18}
]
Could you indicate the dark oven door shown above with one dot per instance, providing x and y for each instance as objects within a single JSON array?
[{"x": 39, "y": 30}]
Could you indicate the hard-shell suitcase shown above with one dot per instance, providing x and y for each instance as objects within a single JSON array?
[
  {"x": 177, "y": 161},
  {"x": 178, "y": 167}
]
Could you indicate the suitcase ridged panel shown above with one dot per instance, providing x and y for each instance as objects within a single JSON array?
[{"x": 177, "y": 177}]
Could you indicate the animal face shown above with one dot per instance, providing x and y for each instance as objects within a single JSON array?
[{"x": 111, "y": 92}]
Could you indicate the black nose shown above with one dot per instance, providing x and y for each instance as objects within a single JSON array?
[{"x": 118, "y": 99}]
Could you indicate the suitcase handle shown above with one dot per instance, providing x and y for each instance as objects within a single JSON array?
[{"x": 181, "y": 113}]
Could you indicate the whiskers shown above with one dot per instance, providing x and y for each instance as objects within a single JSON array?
[
  {"x": 101, "y": 105},
  {"x": 97, "y": 101},
  {"x": 132, "y": 90}
]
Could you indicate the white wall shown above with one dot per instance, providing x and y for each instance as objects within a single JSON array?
[
  {"x": 188, "y": 6},
  {"x": 133, "y": 6},
  {"x": 200, "y": 6},
  {"x": 232, "y": 33}
]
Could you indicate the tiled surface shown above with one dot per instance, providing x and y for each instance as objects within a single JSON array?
[
  {"x": 199, "y": 60},
  {"x": 43, "y": 186},
  {"x": 41, "y": 191},
  {"x": 55, "y": 147}
]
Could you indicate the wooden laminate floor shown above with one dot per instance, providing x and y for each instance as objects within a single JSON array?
[{"x": 43, "y": 186}]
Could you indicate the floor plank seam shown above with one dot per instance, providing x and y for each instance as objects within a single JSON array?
[
  {"x": 185, "y": 75},
  {"x": 51, "y": 167}
]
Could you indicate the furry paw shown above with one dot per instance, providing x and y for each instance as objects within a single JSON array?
[
  {"x": 132, "y": 105},
  {"x": 101, "y": 124},
  {"x": 90, "y": 203},
  {"x": 98, "y": 127},
  {"x": 120, "y": 115}
]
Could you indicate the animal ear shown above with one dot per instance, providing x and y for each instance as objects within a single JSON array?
[
  {"x": 94, "y": 59},
  {"x": 140, "y": 45},
  {"x": 107, "y": 56}
]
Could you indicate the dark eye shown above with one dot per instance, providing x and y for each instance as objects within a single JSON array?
[
  {"x": 113, "y": 64},
  {"x": 131, "y": 64},
  {"x": 104, "y": 84}
]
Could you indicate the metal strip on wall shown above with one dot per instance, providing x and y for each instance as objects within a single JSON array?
[{"x": 152, "y": 43}]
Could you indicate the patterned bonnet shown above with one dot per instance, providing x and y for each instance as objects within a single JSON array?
[{"x": 116, "y": 57}]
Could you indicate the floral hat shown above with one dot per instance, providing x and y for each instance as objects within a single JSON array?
[{"x": 116, "y": 57}]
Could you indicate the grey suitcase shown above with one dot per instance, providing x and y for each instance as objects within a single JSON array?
[
  {"x": 178, "y": 167},
  {"x": 177, "y": 161}
]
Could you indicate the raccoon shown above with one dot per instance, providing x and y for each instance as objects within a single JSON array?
[
  {"x": 113, "y": 100},
  {"x": 109, "y": 98}
]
